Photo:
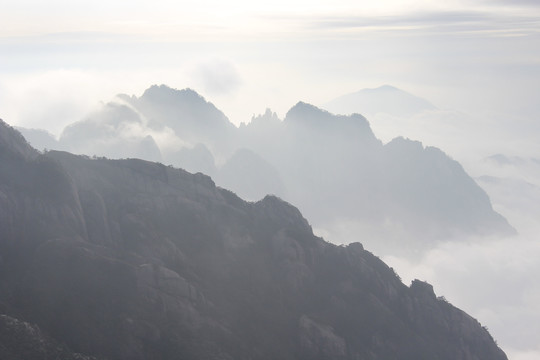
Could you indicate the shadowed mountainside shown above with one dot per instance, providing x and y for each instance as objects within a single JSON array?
[{"x": 128, "y": 259}]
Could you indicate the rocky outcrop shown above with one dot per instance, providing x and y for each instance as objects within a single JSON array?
[
  {"x": 129, "y": 259},
  {"x": 320, "y": 341}
]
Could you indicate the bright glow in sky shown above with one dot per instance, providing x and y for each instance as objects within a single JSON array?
[
  {"x": 279, "y": 51},
  {"x": 173, "y": 19}
]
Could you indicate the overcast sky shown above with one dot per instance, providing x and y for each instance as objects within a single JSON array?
[
  {"x": 65, "y": 56},
  {"x": 479, "y": 58}
]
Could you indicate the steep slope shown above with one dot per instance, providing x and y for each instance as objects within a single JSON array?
[
  {"x": 128, "y": 259},
  {"x": 14, "y": 144},
  {"x": 428, "y": 192}
]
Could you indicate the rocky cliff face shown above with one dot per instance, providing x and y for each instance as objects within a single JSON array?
[
  {"x": 128, "y": 259},
  {"x": 24, "y": 341}
]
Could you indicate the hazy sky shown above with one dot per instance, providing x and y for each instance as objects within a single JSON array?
[
  {"x": 63, "y": 57},
  {"x": 476, "y": 58}
]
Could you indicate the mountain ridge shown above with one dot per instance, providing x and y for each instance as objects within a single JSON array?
[
  {"x": 141, "y": 260},
  {"x": 331, "y": 166}
]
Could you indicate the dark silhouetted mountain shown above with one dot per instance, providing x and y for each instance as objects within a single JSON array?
[
  {"x": 128, "y": 259},
  {"x": 385, "y": 99}
]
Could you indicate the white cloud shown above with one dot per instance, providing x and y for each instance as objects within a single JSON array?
[
  {"x": 493, "y": 279},
  {"x": 283, "y": 57},
  {"x": 50, "y": 99}
]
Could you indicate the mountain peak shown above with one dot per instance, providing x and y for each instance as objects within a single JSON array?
[
  {"x": 304, "y": 112},
  {"x": 269, "y": 117},
  {"x": 163, "y": 93},
  {"x": 305, "y": 109},
  {"x": 385, "y": 87},
  {"x": 326, "y": 124},
  {"x": 385, "y": 99}
]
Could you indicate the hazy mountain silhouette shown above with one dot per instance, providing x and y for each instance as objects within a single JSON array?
[
  {"x": 191, "y": 117},
  {"x": 40, "y": 139},
  {"x": 403, "y": 195},
  {"x": 115, "y": 131},
  {"x": 248, "y": 174},
  {"x": 385, "y": 99},
  {"x": 129, "y": 259},
  {"x": 504, "y": 160},
  {"x": 332, "y": 167},
  {"x": 195, "y": 159}
]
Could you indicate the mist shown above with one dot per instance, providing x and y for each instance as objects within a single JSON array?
[
  {"x": 467, "y": 79},
  {"x": 468, "y": 269},
  {"x": 491, "y": 277}
]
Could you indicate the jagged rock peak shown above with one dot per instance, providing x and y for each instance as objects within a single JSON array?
[
  {"x": 285, "y": 213},
  {"x": 267, "y": 117},
  {"x": 422, "y": 288}
]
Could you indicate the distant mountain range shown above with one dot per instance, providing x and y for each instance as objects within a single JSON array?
[
  {"x": 385, "y": 99},
  {"x": 131, "y": 259},
  {"x": 405, "y": 196}
]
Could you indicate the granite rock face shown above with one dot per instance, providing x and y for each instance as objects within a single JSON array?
[
  {"x": 24, "y": 341},
  {"x": 129, "y": 259}
]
